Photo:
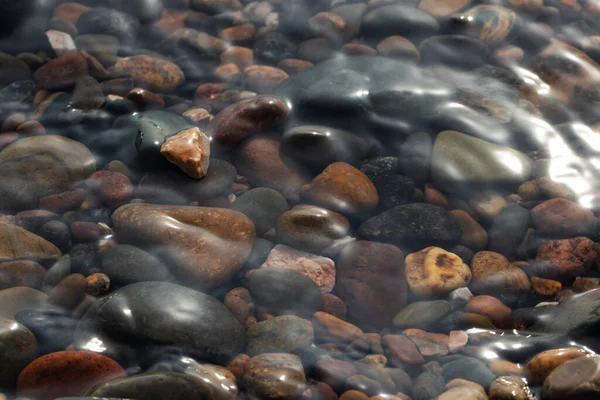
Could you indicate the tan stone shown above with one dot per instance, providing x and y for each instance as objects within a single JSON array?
[{"x": 434, "y": 271}]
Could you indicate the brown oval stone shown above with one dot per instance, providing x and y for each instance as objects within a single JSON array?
[
  {"x": 504, "y": 367},
  {"x": 276, "y": 376},
  {"x": 398, "y": 47},
  {"x": 334, "y": 372},
  {"x": 342, "y": 188},
  {"x": 62, "y": 202},
  {"x": 443, "y": 8},
  {"x": 12, "y": 122},
  {"x": 311, "y": 228},
  {"x": 238, "y": 34},
  {"x": 474, "y": 236},
  {"x": 574, "y": 380},
  {"x": 491, "y": 307},
  {"x": 244, "y": 118},
  {"x": 370, "y": 280},
  {"x": 429, "y": 344},
  {"x": 66, "y": 373},
  {"x": 293, "y": 65},
  {"x": 21, "y": 273},
  {"x": 540, "y": 366},
  {"x": 97, "y": 284},
  {"x": 545, "y": 287},
  {"x": 330, "y": 329},
  {"x": 401, "y": 350},
  {"x": 70, "y": 11},
  {"x": 62, "y": 71},
  {"x": 240, "y": 303},
  {"x": 17, "y": 243},
  {"x": 462, "y": 393},
  {"x": 492, "y": 272},
  {"x": 258, "y": 159},
  {"x": 69, "y": 292},
  {"x": 457, "y": 382},
  {"x": 227, "y": 72},
  {"x": 210, "y": 246},
  {"x": 562, "y": 217},
  {"x": 145, "y": 99},
  {"x": 510, "y": 388},
  {"x": 243, "y": 57},
  {"x": 114, "y": 188},
  {"x": 154, "y": 73},
  {"x": 262, "y": 78},
  {"x": 20, "y": 298},
  {"x": 327, "y": 24}
]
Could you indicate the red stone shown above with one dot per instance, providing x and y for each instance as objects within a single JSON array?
[
  {"x": 567, "y": 258},
  {"x": 62, "y": 71},
  {"x": 114, "y": 188},
  {"x": 562, "y": 217},
  {"x": 62, "y": 202},
  {"x": 66, "y": 373},
  {"x": 401, "y": 351},
  {"x": 21, "y": 273}
]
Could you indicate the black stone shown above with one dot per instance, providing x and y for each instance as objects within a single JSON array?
[
  {"x": 465, "y": 253},
  {"x": 263, "y": 206},
  {"x": 319, "y": 146},
  {"x": 125, "y": 264},
  {"x": 282, "y": 291},
  {"x": 394, "y": 190},
  {"x": 13, "y": 14},
  {"x": 415, "y": 157},
  {"x": 53, "y": 328},
  {"x": 469, "y": 368},
  {"x": 413, "y": 226},
  {"x": 454, "y": 51},
  {"x": 274, "y": 47},
  {"x": 376, "y": 167},
  {"x": 109, "y": 22},
  {"x": 398, "y": 20},
  {"x": 164, "y": 314},
  {"x": 507, "y": 230},
  {"x": 57, "y": 233}
]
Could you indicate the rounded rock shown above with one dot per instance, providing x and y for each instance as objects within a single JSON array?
[
  {"x": 19, "y": 347},
  {"x": 562, "y": 217},
  {"x": 263, "y": 206},
  {"x": 575, "y": 379},
  {"x": 540, "y": 366},
  {"x": 434, "y": 271},
  {"x": 282, "y": 334}
]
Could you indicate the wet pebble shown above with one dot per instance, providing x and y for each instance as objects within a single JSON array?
[
  {"x": 19, "y": 347},
  {"x": 282, "y": 334},
  {"x": 21, "y": 273},
  {"x": 434, "y": 271},
  {"x": 276, "y": 376},
  {"x": 53, "y": 328},
  {"x": 154, "y": 73},
  {"x": 572, "y": 380},
  {"x": 61, "y": 72}
]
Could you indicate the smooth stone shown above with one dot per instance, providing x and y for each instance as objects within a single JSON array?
[
  {"x": 18, "y": 350},
  {"x": 263, "y": 206},
  {"x": 154, "y": 73},
  {"x": 282, "y": 334},
  {"x": 87, "y": 94},
  {"x": 310, "y": 228},
  {"x": 144, "y": 10},
  {"x": 507, "y": 230},
  {"x": 443, "y": 8},
  {"x": 246, "y": 117},
  {"x": 56, "y": 273},
  {"x": 103, "y": 47},
  {"x": 454, "y": 51},
  {"x": 364, "y": 94},
  {"x": 197, "y": 323},
  {"x": 370, "y": 279},
  {"x": 61, "y": 72},
  {"x": 331, "y": 329},
  {"x": 474, "y": 236},
  {"x": 210, "y": 247},
  {"x": 276, "y": 376},
  {"x": 401, "y": 351},
  {"x": 172, "y": 187},
  {"x": 52, "y": 328},
  {"x": 21, "y": 273},
  {"x": 151, "y": 128},
  {"x": 351, "y": 14},
  {"x": 462, "y": 393},
  {"x": 565, "y": 259},
  {"x": 415, "y": 157},
  {"x": 562, "y": 217},
  {"x": 463, "y": 162},
  {"x": 258, "y": 158},
  {"x": 274, "y": 47},
  {"x": 12, "y": 70},
  {"x": 575, "y": 379},
  {"x": 105, "y": 21},
  {"x": 126, "y": 264},
  {"x": 167, "y": 385},
  {"x": 282, "y": 291},
  {"x": 320, "y": 269},
  {"x": 51, "y": 163},
  {"x": 69, "y": 292},
  {"x": 397, "y": 20},
  {"x": 469, "y": 368},
  {"x": 493, "y": 273},
  {"x": 492, "y": 24},
  {"x": 433, "y": 271},
  {"x": 421, "y": 314},
  {"x": 66, "y": 373},
  {"x": 342, "y": 188},
  {"x": 17, "y": 243},
  {"x": 319, "y": 146},
  {"x": 413, "y": 226},
  {"x": 428, "y": 385},
  {"x": 542, "y": 365}
]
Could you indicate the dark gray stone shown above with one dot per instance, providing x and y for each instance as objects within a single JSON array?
[
  {"x": 263, "y": 206},
  {"x": 415, "y": 157},
  {"x": 469, "y": 368},
  {"x": 398, "y": 20},
  {"x": 125, "y": 264},
  {"x": 507, "y": 231}
]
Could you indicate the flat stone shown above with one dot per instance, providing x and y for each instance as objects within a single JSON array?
[
  {"x": 282, "y": 334},
  {"x": 401, "y": 350},
  {"x": 457, "y": 163},
  {"x": 421, "y": 314},
  {"x": 575, "y": 379},
  {"x": 320, "y": 269},
  {"x": 197, "y": 323},
  {"x": 154, "y": 73},
  {"x": 17, "y": 243},
  {"x": 330, "y": 329},
  {"x": 61, "y": 72},
  {"x": 21, "y": 273},
  {"x": 211, "y": 245},
  {"x": 493, "y": 273}
]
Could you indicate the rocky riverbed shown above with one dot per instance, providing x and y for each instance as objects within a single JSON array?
[{"x": 300, "y": 200}]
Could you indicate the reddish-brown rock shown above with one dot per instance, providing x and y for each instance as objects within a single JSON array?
[
  {"x": 540, "y": 366},
  {"x": 342, "y": 188},
  {"x": 62, "y": 202},
  {"x": 262, "y": 78},
  {"x": 491, "y": 307},
  {"x": 18, "y": 243},
  {"x": 189, "y": 150},
  {"x": 21, "y": 273},
  {"x": 370, "y": 280},
  {"x": 114, "y": 188},
  {"x": 334, "y": 372},
  {"x": 429, "y": 344},
  {"x": 294, "y": 65},
  {"x": 493, "y": 273},
  {"x": 562, "y": 217},
  {"x": 243, "y": 57},
  {"x": 567, "y": 258},
  {"x": 401, "y": 351},
  {"x": 69, "y": 292},
  {"x": 66, "y": 373},
  {"x": 398, "y": 47},
  {"x": 241, "y": 119},
  {"x": 545, "y": 287},
  {"x": 85, "y": 232},
  {"x": 238, "y": 33},
  {"x": 334, "y": 305},
  {"x": 330, "y": 329},
  {"x": 258, "y": 159},
  {"x": 240, "y": 303},
  {"x": 154, "y": 73},
  {"x": 70, "y": 11},
  {"x": 62, "y": 71}
]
